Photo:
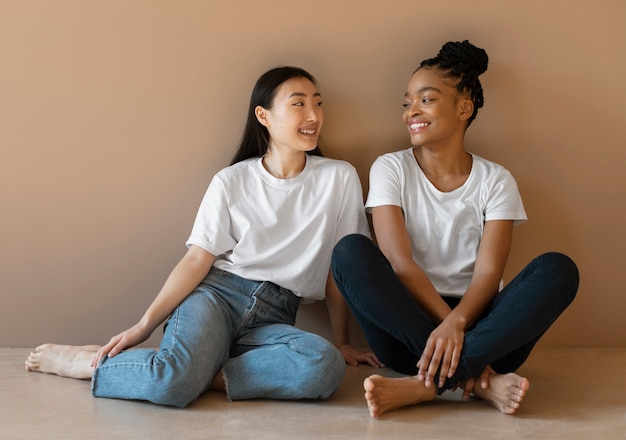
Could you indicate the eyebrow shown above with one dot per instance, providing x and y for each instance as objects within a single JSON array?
[
  {"x": 304, "y": 94},
  {"x": 424, "y": 89}
]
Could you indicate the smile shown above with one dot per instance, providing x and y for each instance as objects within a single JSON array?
[
  {"x": 417, "y": 125},
  {"x": 308, "y": 131}
]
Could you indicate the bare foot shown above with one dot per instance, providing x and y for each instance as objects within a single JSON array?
[
  {"x": 505, "y": 391},
  {"x": 385, "y": 394},
  {"x": 63, "y": 360}
]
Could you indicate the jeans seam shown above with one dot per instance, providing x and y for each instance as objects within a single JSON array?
[{"x": 249, "y": 313}]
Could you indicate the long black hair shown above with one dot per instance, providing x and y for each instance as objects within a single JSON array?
[
  {"x": 256, "y": 138},
  {"x": 464, "y": 62}
]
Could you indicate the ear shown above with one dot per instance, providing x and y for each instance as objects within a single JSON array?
[
  {"x": 466, "y": 109},
  {"x": 261, "y": 115}
]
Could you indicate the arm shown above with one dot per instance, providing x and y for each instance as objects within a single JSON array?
[
  {"x": 443, "y": 348},
  {"x": 493, "y": 253},
  {"x": 338, "y": 312},
  {"x": 185, "y": 277},
  {"x": 394, "y": 242}
]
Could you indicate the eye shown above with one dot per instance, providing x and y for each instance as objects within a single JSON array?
[
  {"x": 300, "y": 104},
  {"x": 406, "y": 104},
  {"x": 427, "y": 100},
  {"x": 319, "y": 104}
]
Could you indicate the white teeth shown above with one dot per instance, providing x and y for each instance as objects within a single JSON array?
[
  {"x": 307, "y": 131},
  {"x": 418, "y": 125}
]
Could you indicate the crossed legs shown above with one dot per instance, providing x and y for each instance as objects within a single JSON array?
[{"x": 397, "y": 329}]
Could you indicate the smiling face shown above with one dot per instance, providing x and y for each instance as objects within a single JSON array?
[
  {"x": 434, "y": 111},
  {"x": 296, "y": 117}
]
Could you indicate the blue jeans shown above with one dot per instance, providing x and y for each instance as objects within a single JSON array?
[
  {"x": 397, "y": 328},
  {"x": 243, "y": 327}
]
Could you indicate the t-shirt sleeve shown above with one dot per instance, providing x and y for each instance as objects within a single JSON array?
[
  {"x": 211, "y": 229},
  {"x": 385, "y": 184},
  {"x": 505, "y": 201}
]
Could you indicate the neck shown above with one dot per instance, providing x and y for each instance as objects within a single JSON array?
[
  {"x": 442, "y": 163},
  {"x": 284, "y": 165}
]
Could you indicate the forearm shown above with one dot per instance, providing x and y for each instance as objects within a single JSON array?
[
  {"x": 338, "y": 313},
  {"x": 185, "y": 277},
  {"x": 476, "y": 300},
  {"x": 488, "y": 269},
  {"x": 395, "y": 243},
  {"x": 423, "y": 290}
]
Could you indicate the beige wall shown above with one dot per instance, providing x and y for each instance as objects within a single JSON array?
[{"x": 114, "y": 116}]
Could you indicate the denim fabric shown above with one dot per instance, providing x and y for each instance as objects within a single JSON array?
[
  {"x": 397, "y": 328},
  {"x": 243, "y": 327}
]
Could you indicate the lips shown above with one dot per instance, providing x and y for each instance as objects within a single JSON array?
[{"x": 308, "y": 131}]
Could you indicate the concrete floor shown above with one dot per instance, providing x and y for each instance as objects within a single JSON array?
[{"x": 576, "y": 393}]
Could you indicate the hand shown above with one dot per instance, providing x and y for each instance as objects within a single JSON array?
[
  {"x": 470, "y": 384},
  {"x": 442, "y": 351},
  {"x": 127, "y": 339},
  {"x": 355, "y": 357}
]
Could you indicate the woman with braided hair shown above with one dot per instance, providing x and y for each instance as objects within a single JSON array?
[{"x": 429, "y": 296}]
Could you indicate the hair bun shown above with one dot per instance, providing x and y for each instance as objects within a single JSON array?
[{"x": 465, "y": 53}]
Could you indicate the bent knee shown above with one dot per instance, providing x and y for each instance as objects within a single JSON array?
[
  {"x": 175, "y": 393},
  {"x": 346, "y": 248},
  {"x": 561, "y": 264},
  {"x": 563, "y": 268},
  {"x": 324, "y": 371},
  {"x": 349, "y": 243}
]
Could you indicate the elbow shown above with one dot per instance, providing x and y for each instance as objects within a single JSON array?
[{"x": 401, "y": 265}]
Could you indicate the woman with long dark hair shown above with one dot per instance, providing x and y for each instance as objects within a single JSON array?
[{"x": 261, "y": 244}]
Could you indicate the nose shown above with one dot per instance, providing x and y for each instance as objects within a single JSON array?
[
  {"x": 414, "y": 109},
  {"x": 313, "y": 113}
]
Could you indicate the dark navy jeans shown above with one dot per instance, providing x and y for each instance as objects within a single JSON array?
[{"x": 397, "y": 328}]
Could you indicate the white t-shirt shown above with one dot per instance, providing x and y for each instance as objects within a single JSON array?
[
  {"x": 445, "y": 228},
  {"x": 280, "y": 230}
]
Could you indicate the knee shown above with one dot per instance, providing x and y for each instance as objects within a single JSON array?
[
  {"x": 324, "y": 371},
  {"x": 346, "y": 249},
  {"x": 561, "y": 269},
  {"x": 177, "y": 392}
]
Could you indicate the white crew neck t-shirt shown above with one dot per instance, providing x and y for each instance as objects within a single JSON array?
[
  {"x": 445, "y": 228},
  {"x": 263, "y": 228}
]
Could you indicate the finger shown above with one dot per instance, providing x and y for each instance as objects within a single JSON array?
[
  {"x": 435, "y": 362},
  {"x": 484, "y": 378},
  {"x": 443, "y": 371},
  {"x": 467, "y": 391},
  {"x": 454, "y": 363},
  {"x": 369, "y": 360},
  {"x": 425, "y": 360},
  {"x": 377, "y": 361},
  {"x": 448, "y": 364},
  {"x": 116, "y": 346},
  {"x": 100, "y": 354},
  {"x": 96, "y": 359},
  {"x": 469, "y": 386},
  {"x": 350, "y": 360}
]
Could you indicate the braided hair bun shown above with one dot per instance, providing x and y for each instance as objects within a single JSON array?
[{"x": 465, "y": 62}]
